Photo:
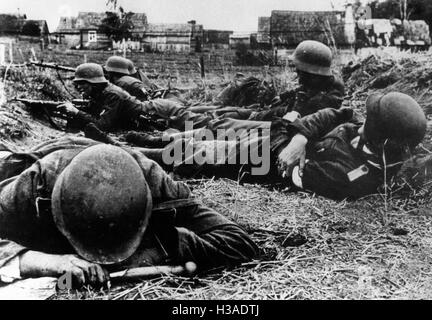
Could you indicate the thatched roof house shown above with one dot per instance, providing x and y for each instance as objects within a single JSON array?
[
  {"x": 216, "y": 39},
  {"x": 174, "y": 36},
  {"x": 67, "y": 25},
  {"x": 83, "y": 30},
  {"x": 289, "y": 28},
  {"x": 263, "y": 35},
  {"x": 11, "y": 23},
  {"x": 171, "y": 29},
  {"x": 30, "y": 25},
  {"x": 17, "y": 24}
]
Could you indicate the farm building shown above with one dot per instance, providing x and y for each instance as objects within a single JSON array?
[
  {"x": 83, "y": 31},
  {"x": 216, "y": 39},
  {"x": 240, "y": 39},
  {"x": 175, "y": 37},
  {"x": 11, "y": 24},
  {"x": 289, "y": 28},
  {"x": 263, "y": 36},
  {"x": 17, "y": 26}
]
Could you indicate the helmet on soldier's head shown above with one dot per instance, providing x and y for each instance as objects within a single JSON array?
[
  {"x": 101, "y": 203},
  {"x": 313, "y": 57},
  {"x": 131, "y": 67},
  {"x": 396, "y": 117},
  {"x": 90, "y": 72},
  {"x": 117, "y": 64}
]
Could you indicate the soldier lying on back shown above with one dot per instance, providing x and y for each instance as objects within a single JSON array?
[{"x": 323, "y": 152}]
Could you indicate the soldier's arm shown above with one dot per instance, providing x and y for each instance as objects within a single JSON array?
[
  {"x": 139, "y": 91},
  {"x": 84, "y": 118},
  {"x": 322, "y": 100},
  {"x": 198, "y": 234},
  {"x": 313, "y": 126},
  {"x": 162, "y": 186},
  {"x": 109, "y": 116},
  {"x": 210, "y": 240},
  {"x": 318, "y": 124},
  {"x": 18, "y": 196}
]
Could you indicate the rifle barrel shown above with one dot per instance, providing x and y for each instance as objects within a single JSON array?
[
  {"x": 52, "y": 66},
  {"x": 77, "y": 102}
]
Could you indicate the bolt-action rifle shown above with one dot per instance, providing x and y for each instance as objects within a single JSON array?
[{"x": 50, "y": 110}]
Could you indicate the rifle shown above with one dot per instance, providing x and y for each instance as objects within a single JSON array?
[
  {"x": 51, "y": 66},
  {"x": 50, "y": 104},
  {"x": 153, "y": 94},
  {"x": 49, "y": 109},
  {"x": 150, "y": 123}
]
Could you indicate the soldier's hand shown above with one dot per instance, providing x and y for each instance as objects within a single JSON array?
[
  {"x": 293, "y": 154},
  {"x": 276, "y": 101},
  {"x": 83, "y": 271},
  {"x": 68, "y": 108},
  {"x": 39, "y": 264}
]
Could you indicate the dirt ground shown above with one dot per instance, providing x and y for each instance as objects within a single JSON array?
[{"x": 379, "y": 247}]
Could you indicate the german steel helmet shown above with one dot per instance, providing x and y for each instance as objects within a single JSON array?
[
  {"x": 313, "y": 57},
  {"x": 131, "y": 67},
  {"x": 395, "y": 116},
  {"x": 90, "y": 72},
  {"x": 117, "y": 64},
  {"x": 101, "y": 203}
]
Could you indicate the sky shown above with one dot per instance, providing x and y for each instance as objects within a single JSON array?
[{"x": 236, "y": 15}]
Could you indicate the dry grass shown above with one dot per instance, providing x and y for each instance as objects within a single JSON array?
[
  {"x": 378, "y": 247},
  {"x": 351, "y": 250}
]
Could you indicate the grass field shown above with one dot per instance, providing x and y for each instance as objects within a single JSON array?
[{"x": 379, "y": 247}]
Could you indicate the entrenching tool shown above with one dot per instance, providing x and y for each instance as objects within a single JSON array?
[{"x": 189, "y": 268}]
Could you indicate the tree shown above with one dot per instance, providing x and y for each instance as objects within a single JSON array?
[
  {"x": 117, "y": 25},
  {"x": 112, "y": 3},
  {"x": 403, "y": 9}
]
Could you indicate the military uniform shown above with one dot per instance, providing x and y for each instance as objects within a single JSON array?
[
  {"x": 133, "y": 86},
  {"x": 148, "y": 85},
  {"x": 337, "y": 165},
  {"x": 181, "y": 229},
  {"x": 114, "y": 109},
  {"x": 305, "y": 100}
]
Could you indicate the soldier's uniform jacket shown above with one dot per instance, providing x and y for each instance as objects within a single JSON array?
[
  {"x": 188, "y": 231},
  {"x": 337, "y": 165},
  {"x": 133, "y": 86},
  {"x": 305, "y": 100},
  {"x": 148, "y": 85},
  {"x": 113, "y": 109}
]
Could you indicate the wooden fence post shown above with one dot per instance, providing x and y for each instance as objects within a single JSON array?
[
  {"x": 202, "y": 66},
  {"x": 11, "y": 59},
  {"x": 2, "y": 54}
]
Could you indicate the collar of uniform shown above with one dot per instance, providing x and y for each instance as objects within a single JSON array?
[{"x": 355, "y": 143}]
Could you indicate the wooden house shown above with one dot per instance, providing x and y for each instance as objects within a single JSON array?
[
  {"x": 18, "y": 27},
  {"x": 240, "y": 39},
  {"x": 174, "y": 37},
  {"x": 216, "y": 39},
  {"x": 83, "y": 31},
  {"x": 263, "y": 36},
  {"x": 289, "y": 28}
]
